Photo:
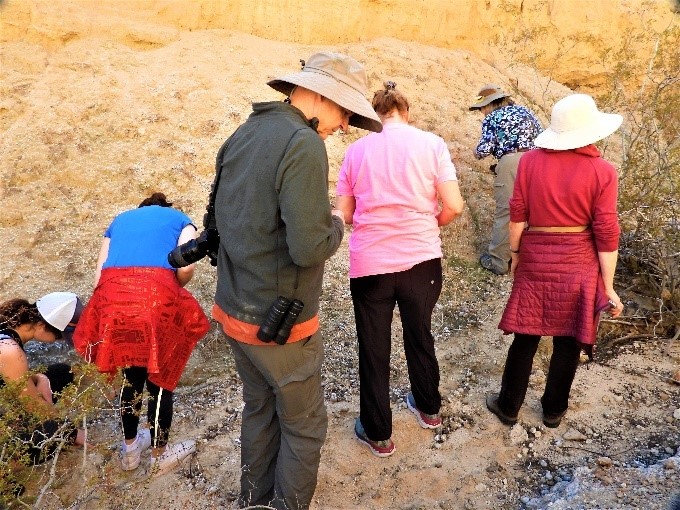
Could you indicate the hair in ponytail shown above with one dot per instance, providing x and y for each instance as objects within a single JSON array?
[{"x": 389, "y": 99}]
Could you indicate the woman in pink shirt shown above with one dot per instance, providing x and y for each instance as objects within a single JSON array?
[
  {"x": 389, "y": 188},
  {"x": 564, "y": 236}
]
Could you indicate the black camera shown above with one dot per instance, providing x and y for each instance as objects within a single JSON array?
[
  {"x": 280, "y": 319},
  {"x": 207, "y": 243}
]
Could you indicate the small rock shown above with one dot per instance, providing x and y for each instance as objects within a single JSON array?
[
  {"x": 605, "y": 462},
  {"x": 518, "y": 435},
  {"x": 573, "y": 435},
  {"x": 676, "y": 376},
  {"x": 676, "y": 414}
]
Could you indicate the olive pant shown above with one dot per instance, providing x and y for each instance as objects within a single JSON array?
[
  {"x": 284, "y": 422},
  {"x": 503, "y": 184}
]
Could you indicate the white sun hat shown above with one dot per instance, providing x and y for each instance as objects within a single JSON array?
[
  {"x": 58, "y": 308},
  {"x": 339, "y": 78},
  {"x": 576, "y": 122}
]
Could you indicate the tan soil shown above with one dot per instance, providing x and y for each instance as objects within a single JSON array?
[{"x": 102, "y": 104}]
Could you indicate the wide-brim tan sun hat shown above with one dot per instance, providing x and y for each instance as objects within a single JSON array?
[
  {"x": 339, "y": 78},
  {"x": 487, "y": 94},
  {"x": 576, "y": 122}
]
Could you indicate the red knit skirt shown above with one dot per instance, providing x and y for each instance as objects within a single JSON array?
[
  {"x": 557, "y": 289},
  {"x": 141, "y": 317}
]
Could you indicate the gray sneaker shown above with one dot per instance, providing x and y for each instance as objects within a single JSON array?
[
  {"x": 131, "y": 454},
  {"x": 171, "y": 457}
]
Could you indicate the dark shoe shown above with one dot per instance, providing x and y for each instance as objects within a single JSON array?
[
  {"x": 383, "y": 448},
  {"x": 427, "y": 421},
  {"x": 486, "y": 261},
  {"x": 492, "y": 405},
  {"x": 553, "y": 421}
]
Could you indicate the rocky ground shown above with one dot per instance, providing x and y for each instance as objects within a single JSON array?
[
  {"x": 617, "y": 448},
  {"x": 94, "y": 119}
]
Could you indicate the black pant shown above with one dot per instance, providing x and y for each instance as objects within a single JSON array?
[
  {"x": 563, "y": 364},
  {"x": 131, "y": 406},
  {"x": 416, "y": 291},
  {"x": 43, "y": 438}
]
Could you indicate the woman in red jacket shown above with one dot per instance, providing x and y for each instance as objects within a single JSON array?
[{"x": 564, "y": 236}]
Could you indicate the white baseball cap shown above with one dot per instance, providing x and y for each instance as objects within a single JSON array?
[{"x": 59, "y": 308}]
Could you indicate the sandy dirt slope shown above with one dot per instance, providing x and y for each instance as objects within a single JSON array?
[{"x": 94, "y": 122}]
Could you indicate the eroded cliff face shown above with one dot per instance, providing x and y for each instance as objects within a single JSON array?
[{"x": 567, "y": 37}]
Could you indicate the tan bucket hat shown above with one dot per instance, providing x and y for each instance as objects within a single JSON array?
[
  {"x": 339, "y": 78},
  {"x": 487, "y": 94},
  {"x": 576, "y": 122}
]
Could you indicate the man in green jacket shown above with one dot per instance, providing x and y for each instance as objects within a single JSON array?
[{"x": 277, "y": 230}]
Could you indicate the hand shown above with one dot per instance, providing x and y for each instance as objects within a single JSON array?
[
  {"x": 339, "y": 214},
  {"x": 618, "y": 305},
  {"x": 514, "y": 260}
]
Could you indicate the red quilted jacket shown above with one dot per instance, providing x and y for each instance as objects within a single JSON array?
[{"x": 558, "y": 289}]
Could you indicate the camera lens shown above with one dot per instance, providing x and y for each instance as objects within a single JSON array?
[{"x": 185, "y": 254}]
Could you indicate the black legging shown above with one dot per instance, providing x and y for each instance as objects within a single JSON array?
[
  {"x": 563, "y": 364},
  {"x": 43, "y": 438},
  {"x": 131, "y": 406}
]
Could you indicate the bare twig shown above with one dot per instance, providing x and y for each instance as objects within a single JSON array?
[{"x": 53, "y": 472}]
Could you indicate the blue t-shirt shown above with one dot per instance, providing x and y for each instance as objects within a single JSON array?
[{"x": 143, "y": 237}]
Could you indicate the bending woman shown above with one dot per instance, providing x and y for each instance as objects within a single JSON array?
[
  {"x": 388, "y": 187},
  {"x": 44, "y": 321},
  {"x": 564, "y": 236},
  {"x": 142, "y": 321}
]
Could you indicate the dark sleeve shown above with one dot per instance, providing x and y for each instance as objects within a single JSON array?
[
  {"x": 312, "y": 234},
  {"x": 487, "y": 141}
]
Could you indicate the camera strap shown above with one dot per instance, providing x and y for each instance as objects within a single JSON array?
[{"x": 209, "y": 217}]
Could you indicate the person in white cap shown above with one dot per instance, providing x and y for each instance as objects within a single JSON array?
[
  {"x": 564, "y": 236},
  {"x": 43, "y": 321},
  {"x": 277, "y": 229},
  {"x": 508, "y": 130}
]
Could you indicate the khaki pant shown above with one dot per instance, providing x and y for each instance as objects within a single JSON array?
[
  {"x": 284, "y": 422},
  {"x": 503, "y": 184}
]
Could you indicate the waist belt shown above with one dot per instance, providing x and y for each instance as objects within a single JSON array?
[
  {"x": 577, "y": 228},
  {"x": 517, "y": 150}
]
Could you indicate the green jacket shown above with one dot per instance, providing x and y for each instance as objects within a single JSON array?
[{"x": 273, "y": 215}]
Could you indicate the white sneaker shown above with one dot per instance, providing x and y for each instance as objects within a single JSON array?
[
  {"x": 131, "y": 454},
  {"x": 171, "y": 457}
]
